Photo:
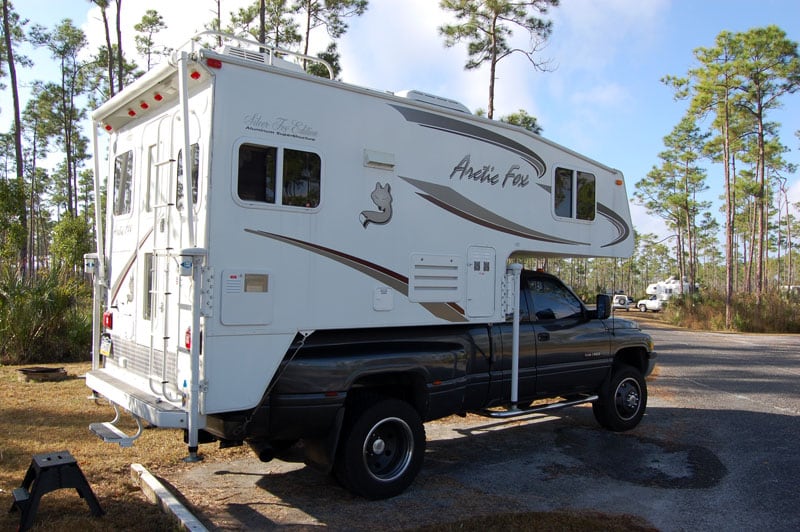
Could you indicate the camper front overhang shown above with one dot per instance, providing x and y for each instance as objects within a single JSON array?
[{"x": 146, "y": 95}]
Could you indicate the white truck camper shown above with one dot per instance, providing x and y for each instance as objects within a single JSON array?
[{"x": 252, "y": 208}]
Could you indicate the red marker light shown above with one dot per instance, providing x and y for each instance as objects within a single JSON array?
[
  {"x": 108, "y": 127},
  {"x": 187, "y": 339},
  {"x": 108, "y": 320},
  {"x": 131, "y": 112},
  {"x": 144, "y": 105},
  {"x": 195, "y": 74},
  {"x": 214, "y": 63},
  {"x": 157, "y": 97}
]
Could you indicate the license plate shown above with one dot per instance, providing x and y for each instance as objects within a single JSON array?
[{"x": 105, "y": 346}]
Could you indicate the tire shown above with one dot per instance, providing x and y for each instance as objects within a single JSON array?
[
  {"x": 642, "y": 308},
  {"x": 622, "y": 401},
  {"x": 381, "y": 449}
]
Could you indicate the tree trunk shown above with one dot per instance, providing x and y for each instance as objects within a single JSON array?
[
  {"x": 12, "y": 72},
  {"x": 110, "y": 58},
  {"x": 120, "y": 60}
]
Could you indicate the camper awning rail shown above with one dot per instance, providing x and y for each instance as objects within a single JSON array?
[{"x": 272, "y": 53}]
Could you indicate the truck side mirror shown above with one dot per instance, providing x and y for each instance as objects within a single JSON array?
[{"x": 603, "y": 306}]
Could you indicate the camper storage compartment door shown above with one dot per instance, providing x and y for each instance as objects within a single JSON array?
[{"x": 246, "y": 298}]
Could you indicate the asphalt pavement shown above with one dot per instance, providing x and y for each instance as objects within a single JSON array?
[{"x": 717, "y": 450}]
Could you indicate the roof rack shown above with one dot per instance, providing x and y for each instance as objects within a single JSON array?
[{"x": 248, "y": 49}]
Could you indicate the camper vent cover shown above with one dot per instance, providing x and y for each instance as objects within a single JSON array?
[
  {"x": 263, "y": 58},
  {"x": 249, "y": 55},
  {"x": 432, "y": 99},
  {"x": 435, "y": 278}
]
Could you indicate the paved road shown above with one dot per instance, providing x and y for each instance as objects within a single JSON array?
[{"x": 718, "y": 449}]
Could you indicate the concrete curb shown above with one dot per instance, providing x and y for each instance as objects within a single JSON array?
[{"x": 158, "y": 494}]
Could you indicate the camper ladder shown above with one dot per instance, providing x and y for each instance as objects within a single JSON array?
[{"x": 160, "y": 292}]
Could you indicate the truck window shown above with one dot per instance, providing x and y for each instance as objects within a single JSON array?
[
  {"x": 257, "y": 169},
  {"x": 301, "y": 178},
  {"x": 552, "y": 300},
  {"x": 195, "y": 155},
  {"x": 123, "y": 183},
  {"x": 574, "y": 194}
]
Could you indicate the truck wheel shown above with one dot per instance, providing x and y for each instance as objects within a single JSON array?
[
  {"x": 623, "y": 400},
  {"x": 642, "y": 308},
  {"x": 381, "y": 449}
]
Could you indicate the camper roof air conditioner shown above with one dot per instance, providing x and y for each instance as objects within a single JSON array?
[
  {"x": 261, "y": 57},
  {"x": 432, "y": 99}
]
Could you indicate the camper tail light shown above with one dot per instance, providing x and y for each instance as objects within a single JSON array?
[
  {"x": 108, "y": 320},
  {"x": 187, "y": 339},
  {"x": 213, "y": 63}
]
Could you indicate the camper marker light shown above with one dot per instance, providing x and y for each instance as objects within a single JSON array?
[
  {"x": 619, "y": 182},
  {"x": 108, "y": 127},
  {"x": 131, "y": 112},
  {"x": 187, "y": 339},
  {"x": 144, "y": 105},
  {"x": 214, "y": 63},
  {"x": 157, "y": 97},
  {"x": 108, "y": 320},
  {"x": 195, "y": 74}
]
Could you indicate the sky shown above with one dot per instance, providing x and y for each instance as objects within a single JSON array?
[{"x": 602, "y": 95}]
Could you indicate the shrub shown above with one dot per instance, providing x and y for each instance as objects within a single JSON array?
[
  {"x": 774, "y": 313},
  {"x": 46, "y": 318}
]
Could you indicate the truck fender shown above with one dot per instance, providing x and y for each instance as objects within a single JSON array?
[{"x": 319, "y": 453}]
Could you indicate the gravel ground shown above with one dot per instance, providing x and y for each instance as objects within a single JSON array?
[{"x": 715, "y": 451}]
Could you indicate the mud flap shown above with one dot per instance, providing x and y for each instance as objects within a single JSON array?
[{"x": 320, "y": 452}]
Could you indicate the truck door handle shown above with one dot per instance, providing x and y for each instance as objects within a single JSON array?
[{"x": 543, "y": 337}]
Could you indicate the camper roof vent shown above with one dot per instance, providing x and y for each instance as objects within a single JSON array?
[
  {"x": 261, "y": 57},
  {"x": 432, "y": 99}
]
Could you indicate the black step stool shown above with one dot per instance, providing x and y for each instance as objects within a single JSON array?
[{"x": 49, "y": 472}]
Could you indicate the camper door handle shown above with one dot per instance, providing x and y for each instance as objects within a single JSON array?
[{"x": 543, "y": 337}]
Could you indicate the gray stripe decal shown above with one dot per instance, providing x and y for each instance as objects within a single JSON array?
[
  {"x": 452, "y": 201},
  {"x": 450, "y": 125},
  {"x": 445, "y": 311},
  {"x": 617, "y": 221}
]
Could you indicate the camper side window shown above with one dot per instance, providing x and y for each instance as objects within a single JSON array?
[
  {"x": 574, "y": 194},
  {"x": 123, "y": 183},
  {"x": 301, "y": 178},
  {"x": 257, "y": 169},
  {"x": 195, "y": 155}
]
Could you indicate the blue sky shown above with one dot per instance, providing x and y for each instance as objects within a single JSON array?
[{"x": 602, "y": 98}]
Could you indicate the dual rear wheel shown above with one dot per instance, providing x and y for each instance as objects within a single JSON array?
[{"x": 381, "y": 448}]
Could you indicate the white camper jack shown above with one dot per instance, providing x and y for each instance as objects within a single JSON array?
[{"x": 290, "y": 257}]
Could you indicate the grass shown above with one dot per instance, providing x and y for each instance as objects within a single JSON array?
[{"x": 41, "y": 417}]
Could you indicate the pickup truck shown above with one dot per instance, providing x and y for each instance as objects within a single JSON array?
[{"x": 357, "y": 399}]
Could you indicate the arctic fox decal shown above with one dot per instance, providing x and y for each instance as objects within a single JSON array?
[{"x": 382, "y": 198}]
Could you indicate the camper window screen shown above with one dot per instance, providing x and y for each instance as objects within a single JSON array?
[
  {"x": 575, "y": 192},
  {"x": 301, "y": 178},
  {"x": 257, "y": 173},
  {"x": 123, "y": 183},
  {"x": 195, "y": 174},
  {"x": 586, "y": 196}
]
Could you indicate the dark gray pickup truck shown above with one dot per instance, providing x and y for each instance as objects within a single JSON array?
[{"x": 357, "y": 399}]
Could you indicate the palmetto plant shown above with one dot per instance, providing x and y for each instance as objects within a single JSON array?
[{"x": 45, "y": 318}]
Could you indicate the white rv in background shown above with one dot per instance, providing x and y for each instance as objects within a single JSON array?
[
  {"x": 667, "y": 288},
  {"x": 251, "y": 206}
]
